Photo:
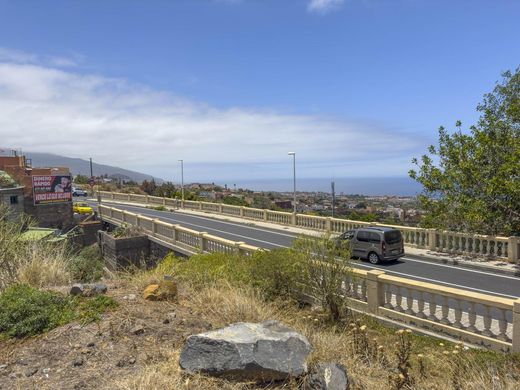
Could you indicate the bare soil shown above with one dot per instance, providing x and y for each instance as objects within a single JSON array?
[{"x": 97, "y": 355}]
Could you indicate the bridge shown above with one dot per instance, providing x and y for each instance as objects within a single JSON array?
[{"x": 479, "y": 307}]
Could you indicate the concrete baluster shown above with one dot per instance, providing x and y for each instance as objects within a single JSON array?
[
  {"x": 487, "y": 322},
  {"x": 445, "y": 309},
  {"x": 420, "y": 305}
]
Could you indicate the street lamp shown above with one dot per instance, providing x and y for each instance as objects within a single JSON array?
[
  {"x": 182, "y": 179},
  {"x": 294, "y": 178}
]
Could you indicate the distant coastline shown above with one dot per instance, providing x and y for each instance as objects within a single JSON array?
[{"x": 398, "y": 186}]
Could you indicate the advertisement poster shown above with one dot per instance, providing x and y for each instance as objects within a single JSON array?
[{"x": 51, "y": 189}]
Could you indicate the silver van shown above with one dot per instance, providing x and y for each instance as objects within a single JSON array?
[{"x": 374, "y": 243}]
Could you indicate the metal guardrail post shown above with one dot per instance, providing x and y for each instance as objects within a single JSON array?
[{"x": 375, "y": 296}]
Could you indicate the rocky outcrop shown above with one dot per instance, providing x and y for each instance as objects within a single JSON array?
[{"x": 264, "y": 351}]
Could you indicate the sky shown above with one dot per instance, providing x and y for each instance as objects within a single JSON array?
[{"x": 356, "y": 88}]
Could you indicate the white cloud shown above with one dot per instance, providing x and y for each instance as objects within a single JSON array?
[
  {"x": 324, "y": 6},
  {"x": 21, "y": 57},
  {"x": 46, "y": 109}
]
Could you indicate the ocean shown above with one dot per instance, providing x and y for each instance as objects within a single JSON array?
[{"x": 399, "y": 186}]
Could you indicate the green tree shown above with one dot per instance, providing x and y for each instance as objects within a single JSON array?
[
  {"x": 81, "y": 179},
  {"x": 471, "y": 181}
]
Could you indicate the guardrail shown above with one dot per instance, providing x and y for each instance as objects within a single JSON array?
[
  {"x": 504, "y": 248},
  {"x": 480, "y": 319}
]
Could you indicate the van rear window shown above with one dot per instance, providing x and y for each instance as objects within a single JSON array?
[{"x": 393, "y": 237}]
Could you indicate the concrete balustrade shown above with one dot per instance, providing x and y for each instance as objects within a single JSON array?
[
  {"x": 481, "y": 319},
  {"x": 506, "y": 248}
]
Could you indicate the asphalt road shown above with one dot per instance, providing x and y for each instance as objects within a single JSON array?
[{"x": 410, "y": 267}]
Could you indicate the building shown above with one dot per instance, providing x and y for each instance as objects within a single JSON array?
[
  {"x": 11, "y": 195},
  {"x": 50, "y": 209}
]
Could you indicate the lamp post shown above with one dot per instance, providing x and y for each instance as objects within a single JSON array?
[
  {"x": 182, "y": 181},
  {"x": 294, "y": 178}
]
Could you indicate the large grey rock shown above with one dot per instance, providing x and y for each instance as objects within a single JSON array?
[
  {"x": 328, "y": 376},
  {"x": 264, "y": 352}
]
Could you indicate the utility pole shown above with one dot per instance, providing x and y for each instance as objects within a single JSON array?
[
  {"x": 182, "y": 181},
  {"x": 91, "y": 175},
  {"x": 294, "y": 178},
  {"x": 333, "y": 197}
]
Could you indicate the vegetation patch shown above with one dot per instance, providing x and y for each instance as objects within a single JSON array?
[
  {"x": 87, "y": 265},
  {"x": 27, "y": 311}
]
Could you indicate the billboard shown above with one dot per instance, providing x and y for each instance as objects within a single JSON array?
[{"x": 52, "y": 189}]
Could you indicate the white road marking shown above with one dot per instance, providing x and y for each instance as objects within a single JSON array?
[
  {"x": 439, "y": 281},
  {"x": 357, "y": 264},
  {"x": 459, "y": 268}
]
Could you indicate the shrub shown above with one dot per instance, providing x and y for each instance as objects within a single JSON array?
[
  {"x": 37, "y": 263},
  {"x": 87, "y": 266},
  {"x": 126, "y": 231},
  {"x": 26, "y": 311}
]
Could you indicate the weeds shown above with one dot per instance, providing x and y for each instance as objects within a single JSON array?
[
  {"x": 403, "y": 378},
  {"x": 26, "y": 311}
]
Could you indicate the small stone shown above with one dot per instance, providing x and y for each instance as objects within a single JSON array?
[
  {"x": 77, "y": 289},
  {"x": 328, "y": 376},
  {"x": 3, "y": 366},
  {"x": 46, "y": 370},
  {"x": 137, "y": 330},
  {"x": 151, "y": 293},
  {"x": 132, "y": 297},
  {"x": 171, "y": 315},
  {"x": 77, "y": 362},
  {"x": 132, "y": 360},
  {"x": 30, "y": 372},
  {"x": 100, "y": 288},
  {"x": 166, "y": 321},
  {"x": 91, "y": 344}
]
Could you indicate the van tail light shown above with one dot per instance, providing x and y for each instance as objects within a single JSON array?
[{"x": 383, "y": 247}]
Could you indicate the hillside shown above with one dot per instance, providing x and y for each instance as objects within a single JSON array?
[{"x": 80, "y": 166}]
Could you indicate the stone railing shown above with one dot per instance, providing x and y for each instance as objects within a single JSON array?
[
  {"x": 505, "y": 248},
  {"x": 480, "y": 319},
  {"x": 187, "y": 240}
]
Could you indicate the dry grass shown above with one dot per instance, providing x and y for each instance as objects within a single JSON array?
[
  {"x": 372, "y": 363},
  {"x": 44, "y": 265}
]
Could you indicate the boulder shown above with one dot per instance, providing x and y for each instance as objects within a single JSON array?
[
  {"x": 88, "y": 290},
  {"x": 328, "y": 376},
  {"x": 264, "y": 351}
]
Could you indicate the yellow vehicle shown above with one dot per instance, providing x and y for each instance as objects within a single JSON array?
[{"x": 82, "y": 208}]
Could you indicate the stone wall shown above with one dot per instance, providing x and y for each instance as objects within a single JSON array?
[{"x": 58, "y": 215}]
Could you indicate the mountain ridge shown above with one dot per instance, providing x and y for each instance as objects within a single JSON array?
[{"x": 82, "y": 167}]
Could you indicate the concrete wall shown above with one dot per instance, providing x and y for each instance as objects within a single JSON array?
[
  {"x": 59, "y": 215},
  {"x": 140, "y": 252},
  {"x": 5, "y": 198}
]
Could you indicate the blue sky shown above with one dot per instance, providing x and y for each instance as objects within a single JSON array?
[{"x": 355, "y": 87}]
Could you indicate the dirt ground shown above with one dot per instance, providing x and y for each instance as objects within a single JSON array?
[{"x": 96, "y": 355}]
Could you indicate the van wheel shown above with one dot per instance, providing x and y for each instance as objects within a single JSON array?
[{"x": 373, "y": 258}]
